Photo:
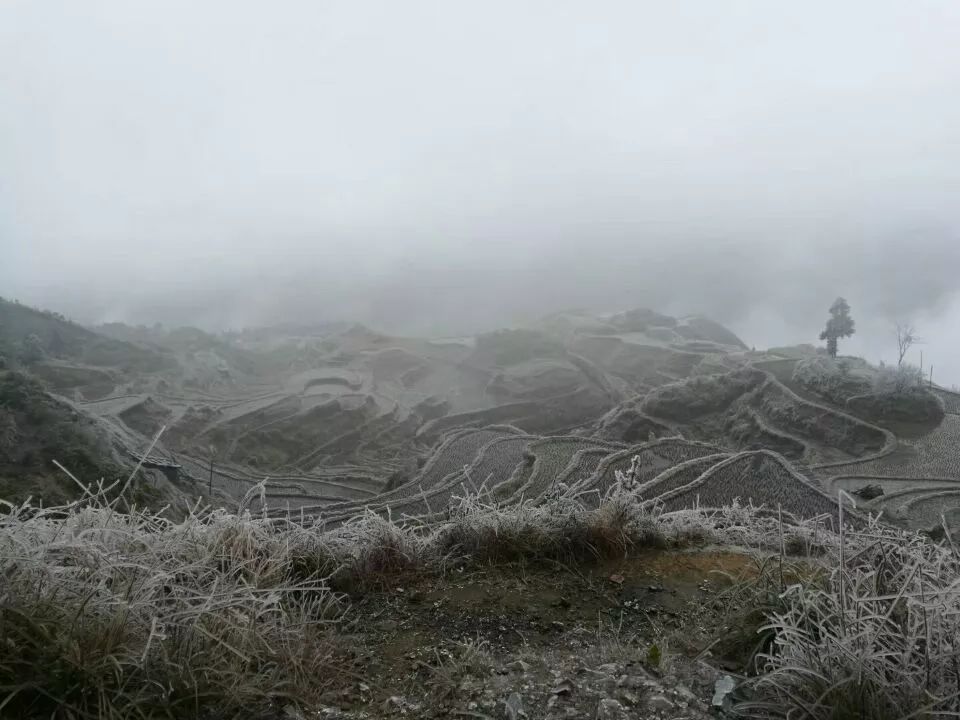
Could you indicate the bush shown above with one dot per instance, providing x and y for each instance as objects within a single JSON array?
[
  {"x": 32, "y": 350},
  {"x": 900, "y": 379},
  {"x": 900, "y": 395},
  {"x": 700, "y": 394},
  {"x": 886, "y": 393},
  {"x": 831, "y": 378}
]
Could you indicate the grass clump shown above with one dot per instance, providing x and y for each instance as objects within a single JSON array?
[
  {"x": 878, "y": 638},
  {"x": 559, "y": 529},
  {"x": 115, "y": 615}
]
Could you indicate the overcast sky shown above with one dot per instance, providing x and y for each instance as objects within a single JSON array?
[{"x": 444, "y": 166}]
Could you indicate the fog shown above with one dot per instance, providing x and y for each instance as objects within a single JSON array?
[{"x": 445, "y": 167}]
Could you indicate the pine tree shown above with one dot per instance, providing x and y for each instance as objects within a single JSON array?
[{"x": 839, "y": 325}]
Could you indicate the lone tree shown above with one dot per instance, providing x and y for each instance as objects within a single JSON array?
[
  {"x": 839, "y": 325},
  {"x": 906, "y": 338}
]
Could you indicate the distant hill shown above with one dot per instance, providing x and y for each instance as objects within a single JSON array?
[
  {"x": 35, "y": 430},
  {"x": 29, "y": 335}
]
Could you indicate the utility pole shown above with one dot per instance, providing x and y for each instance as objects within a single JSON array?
[{"x": 213, "y": 450}]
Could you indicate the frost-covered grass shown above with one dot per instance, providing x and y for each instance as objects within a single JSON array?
[
  {"x": 878, "y": 638},
  {"x": 124, "y": 615},
  {"x": 118, "y": 615}
]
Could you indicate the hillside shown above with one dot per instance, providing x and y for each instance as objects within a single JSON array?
[
  {"x": 30, "y": 336},
  {"x": 594, "y": 516},
  {"x": 342, "y": 418},
  {"x": 35, "y": 430}
]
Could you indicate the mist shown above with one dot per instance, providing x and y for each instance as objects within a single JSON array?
[{"x": 440, "y": 167}]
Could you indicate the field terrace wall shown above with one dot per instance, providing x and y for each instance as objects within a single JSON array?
[
  {"x": 499, "y": 460},
  {"x": 582, "y": 467},
  {"x": 342, "y": 484}
]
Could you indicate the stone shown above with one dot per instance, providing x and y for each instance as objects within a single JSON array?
[
  {"x": 610, "y": 709},
  {"x": 723, "y": 687},
  {"x": 659, "y": 703},
  {"x": 514, "y": 707}
]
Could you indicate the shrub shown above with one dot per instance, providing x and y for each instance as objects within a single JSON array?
[
  {"x": 900, "y": 379},
  {"x": 899, "y": 394},
  {"x": 700, "y": 394},
  {"x": 831, "y": 378}
]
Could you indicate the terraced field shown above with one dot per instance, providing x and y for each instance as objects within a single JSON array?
[
  {"x": 499, "y": 460},
  {"x": 494, "y": 461},
  {"x": 581, "y": 468},
  {"x": 932, "y": 508},
  {"x": 838, "y": 436},
  {"x": 461, "y": 450},
  {"x": 936, "y": 454},
  {"x": 678, "y": 476},
  {"x": 951, "y": 401},
  {"x": 335, "y": 485},
  {"x": 655, "y": 457},
  {"x": 498, "y": 414},
  {"x": 748, "y": 427},
  {"x": 890, "y": 485},
  {"x": 759, "y": 477},
  {"x": 899, "y": 503},
  {"x": 553, "y": 455},
  {"x": 457, "y": 450},
  {"x": 335, "y": 416}
]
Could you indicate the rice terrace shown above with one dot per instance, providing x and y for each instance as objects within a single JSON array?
[{"x": 622, "y": 515}]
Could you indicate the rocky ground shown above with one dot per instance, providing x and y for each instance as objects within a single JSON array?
[{"x": 633, "y": 638}]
